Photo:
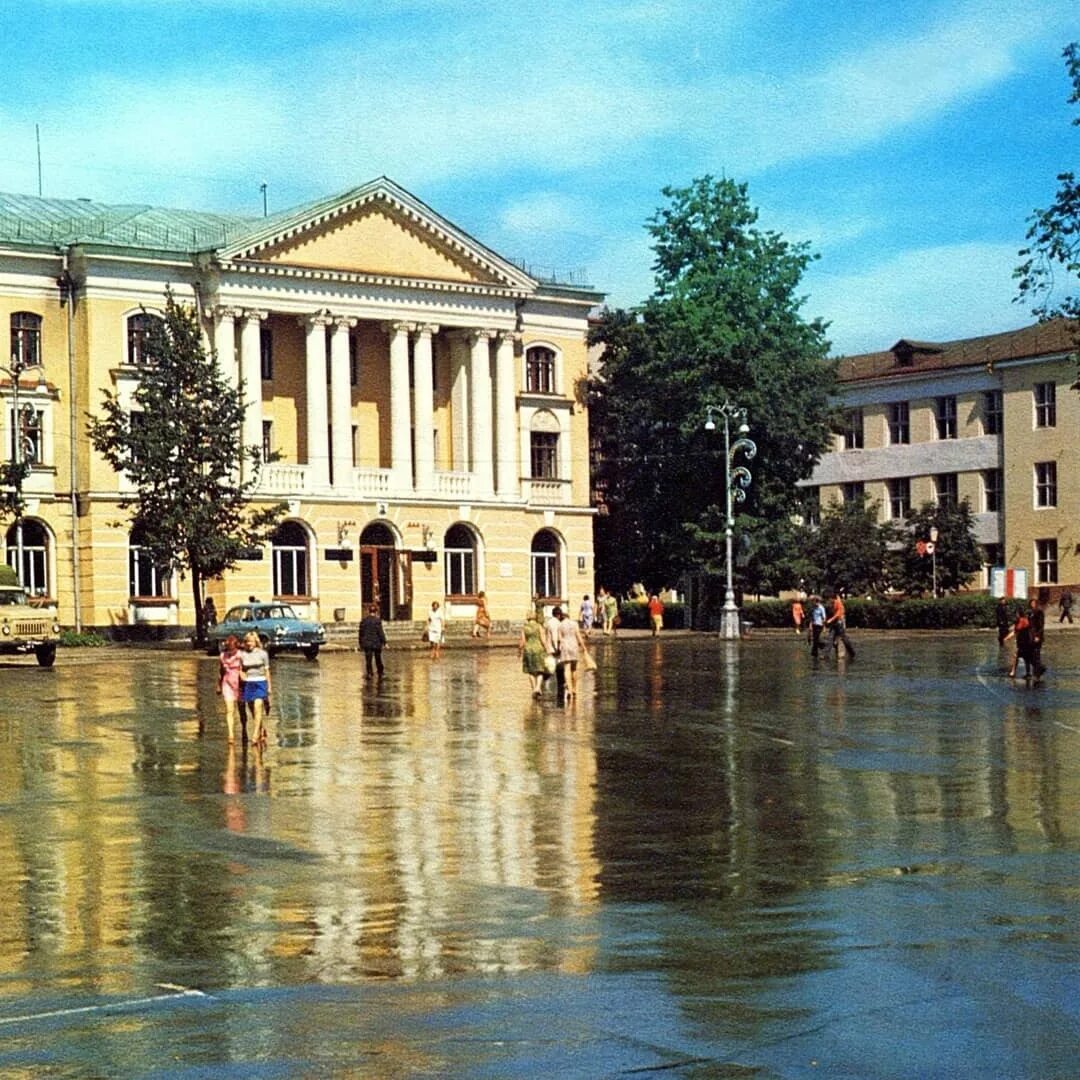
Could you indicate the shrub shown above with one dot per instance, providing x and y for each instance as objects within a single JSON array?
[
  {"x": 87, "y": 639},
  {"x": 885, "y": 613},
  {"x": 635, "y": 616}
]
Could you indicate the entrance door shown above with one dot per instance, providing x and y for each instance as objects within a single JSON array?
[{"x": 385, "y": 574}]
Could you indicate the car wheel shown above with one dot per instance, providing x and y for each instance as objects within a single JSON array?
[
  {"x": 311, "y": 651},
  {"x": 46, "y": 655}
]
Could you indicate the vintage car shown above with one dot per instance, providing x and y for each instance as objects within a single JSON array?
[
  {"x": 25, "y": 629},
  {"x": 279, "y": 628}
]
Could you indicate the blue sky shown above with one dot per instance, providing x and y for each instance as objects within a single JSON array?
[{"x": 907, "y": 142}]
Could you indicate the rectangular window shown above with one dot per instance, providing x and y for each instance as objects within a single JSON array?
[
  {"x": 899, "y": 423},
  {"x": 459, "y": 572},
  {"x": 1046, "y": 562},
  {"x": 853, "y": 491},
  {"x": 1044, "y": 396},
  {"x": 945, "y": 416},
  {"x": 540, "y": 370},
  {"x": 25, "y": 339},
  {"x": 31, "y": 424},
  {"x": 545, "y": 574},
  {"x": 1045, "y": 484},
  {"x": 266, "y": 353},
  {"x": 992, "y": 412},
  {"x": 144, "y": 578},
  {"x": 811, "y": 505},
  {"x": 544, "y": 453},
  {"x": 290, "y": 571},
  {"x": 993, "y": 555},
  {"x": 852, "y": 433},
  {"x": 993, "y": 491},
  {"x": 945, "y": 489},
  {"x": 267, "y": 440},
  {"x": 899, "y": 498}
]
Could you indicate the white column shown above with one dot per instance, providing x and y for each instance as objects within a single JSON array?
[
  {"x": 424, "y": 408},
  {"x": 341, "y": 403},
  {"x": 507, "y": 471},
  {"x": 480, "y": 413},
  {"x": 459, "y": 402},
  {"x": 251, "y": 376},
  {"x": 318, "y": 456},
  {"x": 400, "y": 412},
  {"x": 225, "y": 343}
]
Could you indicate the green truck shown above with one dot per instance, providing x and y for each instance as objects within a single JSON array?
[{"x": 25, "y": 629}]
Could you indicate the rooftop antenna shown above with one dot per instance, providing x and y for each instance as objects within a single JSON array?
[
  {"x": 262, "y": 188},
  {"x": 37, "y": 134}
]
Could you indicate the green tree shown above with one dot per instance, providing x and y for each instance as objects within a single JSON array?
[
  {"x": 957, "y": 556},
  {"x": 849, "y": 552},
  {"x": 723, "y": 323},
  {"x": 1050, "y": 270},
  {"x": 180, "y": 447}
]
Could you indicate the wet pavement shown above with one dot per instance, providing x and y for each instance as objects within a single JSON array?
[{"x": 722, "y": 861}]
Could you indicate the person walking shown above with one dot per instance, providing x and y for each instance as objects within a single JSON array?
[
  {"x": 797, "y": 614},
  {"x": 837, "y": 624},
  {"x": 817, "y": 625},
  {"x": 1066, "y": 603},
  {"x": 372, "y": 637},
  {"x": 533, "y": 653},
  {"x": 656, "y": 614},
  {"x": 229, "y": 666},
  {"x": 255, "y": 680},
  {"x": 551, "y": 644},
  {"x": 1003, "y": 618},
  {"x": 435, "y": 629},
  {"x": 1037, "y": 618},
  {"x": 571, "y": 645},
  {"x": 611, "y": 614},
  {"x": 1021, "y": 633},
  {"x": 586, "y": 614},
  {"x": 481, "y": 620}
]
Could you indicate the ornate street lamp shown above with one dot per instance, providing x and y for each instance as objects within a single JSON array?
[
  {"x": 21, "y": 447},
  {"x": 736, "y": 481}
]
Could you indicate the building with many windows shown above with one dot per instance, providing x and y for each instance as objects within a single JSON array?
[
  {"x": 992, "y": 419},
  {"x": 421, "y": 395}
]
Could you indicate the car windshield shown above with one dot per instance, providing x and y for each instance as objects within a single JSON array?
[{"x": 12, "y": 596}]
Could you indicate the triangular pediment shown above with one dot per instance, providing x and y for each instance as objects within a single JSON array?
[{"x": 377, "y": 230}]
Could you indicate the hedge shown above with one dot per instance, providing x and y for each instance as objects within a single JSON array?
[
  {"x": 635, "y": 616},
  {"x": 882, "y": 613}
]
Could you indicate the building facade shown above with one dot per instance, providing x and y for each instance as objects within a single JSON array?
[
  {"x": 991, "y": 419},
  {"x": 422, "y": 397}
]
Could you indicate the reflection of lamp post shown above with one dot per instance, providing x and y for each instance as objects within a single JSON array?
[
  {"x": 933, "y": 557},
  {"x": 20, "y": 444},
  {"x": 736, "y": 481}
]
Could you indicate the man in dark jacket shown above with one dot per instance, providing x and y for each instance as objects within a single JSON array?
[
  {"x": 372, "y": 640},
  {"x": 1037, "y": 617}
]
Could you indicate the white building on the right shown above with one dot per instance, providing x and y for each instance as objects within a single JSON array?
[{"x": 993, "y": 419}]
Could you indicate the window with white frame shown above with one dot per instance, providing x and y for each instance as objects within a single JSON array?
[
  {"x": 992, "y": 412},
  {"x": 289, "y": 549},
  {"x": 459, "y": 561},
  {"x": 811, "y": 505},
  {"x": 34, "y": 572},
  {"x": 899, "y": 423},
  {"x": 140, "y": 330},
  {"x": 146, "y": 580},
  {"x": 945, "y": 416},
  {"x": 29, "y": 428},
  {"x": 1045, "y": 484},
  {"x": 993, "y": 490},
  {"x": 1046, "y": 562},
  {"x": 544, "y": 556},
  {"x": 853, "y": 491},
  {"x": 544, "y": 446},
  {"x": 1044, "y": 399},
  {"x": 899, "y": 497},
  {"x": 25, "y": 339},
  {"x": 851, "y": 435},
  {"x": 945, "y": 489},
  {"x": 540, "y": 370}
]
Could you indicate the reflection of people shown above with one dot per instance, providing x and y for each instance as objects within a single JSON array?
[
  {"x": 656, "y": 614},
  {"x": 532, "y": 651},
  {"x": 372, "y": 640},
  {"x": 255, "y": 677},
  {"x": 435, "y": 629},
  {"x": 481, "y": 620},
  {"x": 229, "y": 665}
]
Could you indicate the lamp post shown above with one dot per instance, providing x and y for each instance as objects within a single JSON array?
[
  {"x": 21, "y": 416},
  {"x": 933, "y": 557},
  {"x": 736, "y": 481}
]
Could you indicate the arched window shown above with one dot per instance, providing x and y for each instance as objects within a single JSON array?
[
  {"x": 540, "y": 370},
  {"x": 25, "y": 339},
  {"x": 544, "y": 446},
  {"x": 459, "y": 560},
  {"x": 290, "y": 550},
  {"x": 145, "y": 580},
  {"x": 34, "y": 572},
  {"x": 140, "y": 328},
  {"x": 546, "y": 549}
]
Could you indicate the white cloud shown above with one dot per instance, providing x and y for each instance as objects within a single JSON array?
[{"x": 544, "y": 212}]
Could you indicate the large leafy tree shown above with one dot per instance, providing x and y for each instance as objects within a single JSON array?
[
  {"x": 849, "y": 553},
  {"x": 1049, "y": 276},
  {"x": 956, "y": 556},
  {"x": 180, "y": 446},
  {"x": 724, "y": 323}
]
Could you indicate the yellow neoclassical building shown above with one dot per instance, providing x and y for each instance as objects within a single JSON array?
[{"x": 423, "y": 397}]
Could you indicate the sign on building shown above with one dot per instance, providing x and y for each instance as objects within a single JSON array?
[{"x": 1008, "y": 581}]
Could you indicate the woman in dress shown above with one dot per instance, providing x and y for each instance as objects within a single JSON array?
[
  {"x": 435, "y": 629},
  {"x": 533, "y": 652},
  {"x": 229, "y": 685},
  {"x": 570, "y": 645},
  {"x": 586, "y": 615},
  {"x": 482, "y": 620},
  {"x": 255, "y": 679}
]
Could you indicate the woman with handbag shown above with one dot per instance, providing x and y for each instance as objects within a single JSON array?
[{"x": 533, "y": 653}]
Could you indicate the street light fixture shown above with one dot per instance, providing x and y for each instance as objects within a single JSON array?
[
  {"x": 22, "y": 417},
  {"x": 736, "y": 480},
  {"x": 933, "y": 557}
]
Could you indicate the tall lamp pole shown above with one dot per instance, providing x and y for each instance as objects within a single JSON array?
[
  {"x": 736, "y": 480},
  {"x": 19, "y": 447},
  {"x": 933, "y": 557}
]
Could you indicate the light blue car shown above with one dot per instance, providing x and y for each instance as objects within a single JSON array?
[{"x": 279, "y": 628}]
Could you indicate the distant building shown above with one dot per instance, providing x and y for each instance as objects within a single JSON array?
[
  {"x": 993, "y": 419},
  {"x": 421, "y": 390}
]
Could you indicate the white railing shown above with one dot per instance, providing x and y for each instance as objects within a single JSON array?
[
  {"x": 370, "y": 481},
  {"x": 548, "y": 492},
  {"x": 279, "y": 479},
  {"x": 453, "y": 485}
]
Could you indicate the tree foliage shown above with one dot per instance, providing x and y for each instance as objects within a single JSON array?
[
  {"x": 1049, "y": 275},
  {"x": 723, "y": 323},
  {"x": 956, "y": 552},
  {"x": 849, "y": 552},
  {"x": 180, "y": 448}
]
